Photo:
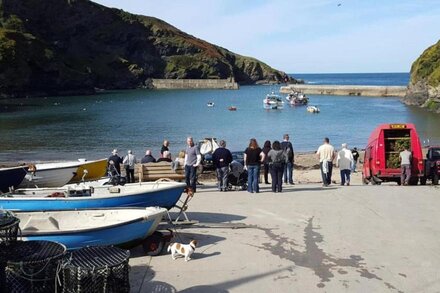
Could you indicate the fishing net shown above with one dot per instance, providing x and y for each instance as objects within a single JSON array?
[
  {"x": 31, "y": 266},
  {"x": 8, "y": 228},
  {"x": 96, "y": 269}
]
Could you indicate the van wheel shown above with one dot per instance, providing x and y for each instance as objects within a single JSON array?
[
  {"x": 435, "y": 179},
  {"x": 423, "y": 181}
]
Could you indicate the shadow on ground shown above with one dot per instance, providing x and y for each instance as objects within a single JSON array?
[
  {"x": 223, "y": 287},
  {"x": 210, "y": 217}
]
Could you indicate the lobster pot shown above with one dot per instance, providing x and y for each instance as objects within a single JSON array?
[
  {"x": 8, "y": 229},
  {"x": 96, "y": 269},
  {"x": 31, "y": 266}
]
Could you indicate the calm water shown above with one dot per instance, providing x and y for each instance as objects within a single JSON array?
[
  {"x": 91, "y": 126},
  {"x": 400, "y": 78}
]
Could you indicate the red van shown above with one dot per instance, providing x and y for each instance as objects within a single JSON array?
[{"x": 381, "y": 160}]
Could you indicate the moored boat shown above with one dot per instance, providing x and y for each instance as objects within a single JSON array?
[
  {"x": 11, "y": 177},
  {"x": 80, "y": 228},
  {"x": 313, "y": 109},
  {"x": 232, "y": 108},
  {"x": 81, "y": 196},
  {"x": 297, "y": 99},
  {"x": 95, "y": 170},
  {"x": 210, "y": 104},
  {"x": 273, "y": 101}
]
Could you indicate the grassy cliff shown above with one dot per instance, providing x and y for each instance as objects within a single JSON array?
[
  {"x": 424, "y": 87},
  {"x": 55, "y": 47}
]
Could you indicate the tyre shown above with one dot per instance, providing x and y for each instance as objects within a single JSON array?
[
  {"x": 154, "y": 244},
  {"x": 423, "y": 181},
  {"x": 244, "y": 186},
  {"x": 435, "y": 179}
]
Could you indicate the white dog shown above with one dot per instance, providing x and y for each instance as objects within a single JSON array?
[{"x": 182, "y": 249}]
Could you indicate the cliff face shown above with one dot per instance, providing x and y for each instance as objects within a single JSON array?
[
  {"x": 424, "y": 87},
  {"x": 56, "y": 47}
]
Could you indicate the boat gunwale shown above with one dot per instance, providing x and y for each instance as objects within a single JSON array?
[{"x": 96, "y": 197}]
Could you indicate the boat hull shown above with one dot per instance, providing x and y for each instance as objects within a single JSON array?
[
  {"x": 96, "y": 170},
  {"x": 11, "y": 177},
  {"x": 119, "y": 234},
  {"x": 55, "y": 177},
  {"x": 165, "y": 198}
]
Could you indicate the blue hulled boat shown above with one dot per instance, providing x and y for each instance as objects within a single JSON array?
[
  {"x": 146, "y": 194},
  {"x": 11, "y": 177},
  {"x": 95, "y": 227}
]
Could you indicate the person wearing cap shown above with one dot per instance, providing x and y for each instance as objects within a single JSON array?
[
  {"x": 115, "y": 160},
  {"x": 222, "y": 157},
  {"x": 345, "y": 162},
  {"x": 129, "y": 163}
]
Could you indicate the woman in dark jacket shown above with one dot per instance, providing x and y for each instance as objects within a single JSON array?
[
  {"x": 277, "y": 158},
  {"x": 253, "y": 157},
  {"x": 266, "y": 148}
]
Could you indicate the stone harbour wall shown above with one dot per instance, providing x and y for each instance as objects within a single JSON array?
[
  {"x": 347, "y": 90},
  {"x": 228, "y": 84}
]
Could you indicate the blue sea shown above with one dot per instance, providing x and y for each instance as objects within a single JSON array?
[{"x": 71, "y": 127}]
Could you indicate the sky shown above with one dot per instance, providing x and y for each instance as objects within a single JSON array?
[{"x": 300, "y": 36}]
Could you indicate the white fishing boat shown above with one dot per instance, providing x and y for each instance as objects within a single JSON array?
[
  {"x": 80, "y": 228},
  {"x": 50, "y": 174},
  {"x": 313, "y": 109},
  {"x": 297, "y": 99},
  {"x": 273, "y": 101},
  {"x": 210, "y": 104}
]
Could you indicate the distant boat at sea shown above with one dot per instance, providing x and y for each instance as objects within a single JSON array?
[{"x": 273, "y": 101}]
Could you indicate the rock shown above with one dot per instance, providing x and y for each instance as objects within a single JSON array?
[{"x": 424, "y": 87}]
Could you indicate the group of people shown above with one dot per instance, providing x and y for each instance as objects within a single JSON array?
[
  {"x": 129, "y": 161},
  {"x": 277, "y": 159}
]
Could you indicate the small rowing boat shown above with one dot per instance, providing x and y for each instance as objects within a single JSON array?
[
  {"x": 81, "y": 196},
  {"x": 95, "y": 170},
  {"x": 80, "y": 228},
  {"x": 11, "y": 177}
]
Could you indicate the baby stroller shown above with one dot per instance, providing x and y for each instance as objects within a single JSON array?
[{"x": 237, "y": 177}]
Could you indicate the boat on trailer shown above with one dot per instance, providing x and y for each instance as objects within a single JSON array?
[
  {"x": 92, "y": 227},
  {"x": 82, "y": 196}
]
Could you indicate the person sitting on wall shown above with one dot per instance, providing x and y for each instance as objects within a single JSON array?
[
  {"x": 148, "y": 158},
  {"x": 166, "y": 157}
]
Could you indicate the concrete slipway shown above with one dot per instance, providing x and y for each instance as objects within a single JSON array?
[{"x": 306, "y": 239}]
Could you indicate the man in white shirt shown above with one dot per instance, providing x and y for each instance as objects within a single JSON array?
[
  {"x": 405, "y": 166},
  {"x": 129, "y": 162},
  {"x": 326, "y": 155},
  {"x": 345, "y": 162}
]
